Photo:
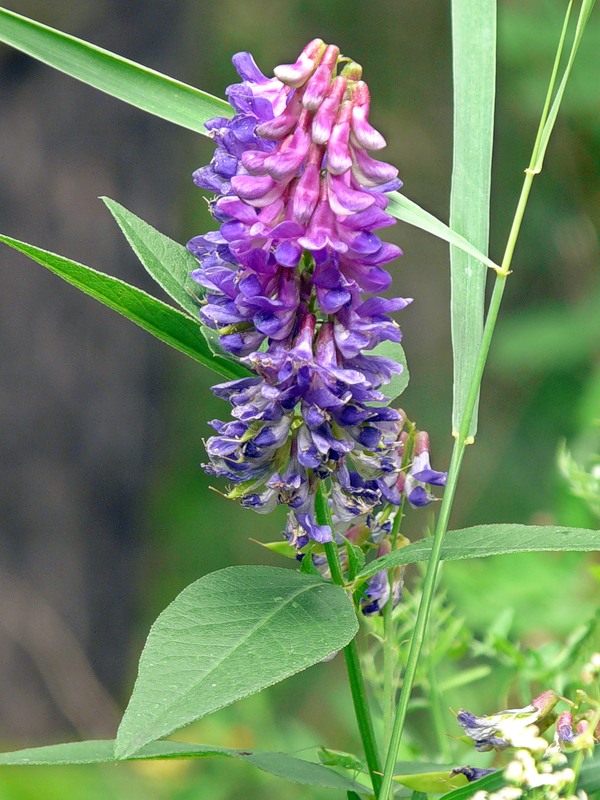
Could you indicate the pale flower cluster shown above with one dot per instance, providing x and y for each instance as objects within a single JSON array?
[{"x": 526, "y": 772}]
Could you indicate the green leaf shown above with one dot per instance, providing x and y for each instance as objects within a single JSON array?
[
  {"x": 281, "y": 548},
  {"x": 589, "y": 777},
  {"x": 474, "y": 72},
  {"x": 141, "y": 87},
  {"x": 229, "y": 635},
  {"x": 168, "y": 262},
  {"x": 395, "y": 352},
  {"x": 431, "y": 782},
  {"x": 408, "y": 211},
  {"x": 356, "y": 559},
  {"x": 161, "y": 320},
  {"x": 491, "y": 540},
  {"x": 102, "y": 752}
]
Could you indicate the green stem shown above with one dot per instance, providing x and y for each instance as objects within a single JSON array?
[
  {"x": 547, "y": 121},
  {"x": 390, "y": 658},
  {"x": 437, "y": 714},
  {"x": 351, "y": 657},
  {"x": 458, "y": 452}
]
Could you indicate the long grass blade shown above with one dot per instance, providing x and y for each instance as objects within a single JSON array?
[
  {"x": 474, "y": 71},
  {"x": 137, "y": 85}
]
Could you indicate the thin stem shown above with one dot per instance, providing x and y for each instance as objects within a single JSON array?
[
  {"x": 437, "y": 714},
  {"x": 547, "y": 120},
  {"x": 458, "y": 452},
  {"x": 351, "y": 657},
  {"x": 390, "y": 658}
]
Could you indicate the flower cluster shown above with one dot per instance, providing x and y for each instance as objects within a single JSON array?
[
  {"x": 515, "y": 727},
  {"x": 285, "y": 280}
]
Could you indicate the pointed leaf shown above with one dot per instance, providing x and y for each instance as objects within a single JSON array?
[
  {"x": 141, "y": 87},
  {"x": 161, "y": 320},
  {"x": 102, "y": 752},
  {"x": 491, "y": 540},
  {"x": 431, "y": 782},
  {"x": 168, "y": 262},
  {"x": 229, "y": 635},
  {"x": 474, "y": 71},
  {"x": 408, "y": 211}
]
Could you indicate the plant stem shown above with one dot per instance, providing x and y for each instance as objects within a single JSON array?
[
  {"x": 437, "y": 714},
  {"x": 351, "y": 657},
  {"x": 548, "y": 118},
  {"x": 458, "y": 452},
  {"x": 390, "y": 658}
]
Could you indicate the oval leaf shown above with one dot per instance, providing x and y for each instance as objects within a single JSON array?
[
  {"x": 491, "y": 540},
  {"x": 395, "y": 352},
  {"x": 229, "y": 635},
  {"x": 102, "y": 752}
]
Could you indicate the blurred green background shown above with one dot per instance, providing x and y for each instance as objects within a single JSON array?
[{"x": 167, "y": 527}]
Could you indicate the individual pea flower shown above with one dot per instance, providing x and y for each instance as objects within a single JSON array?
[
  {"x": 517, "y": 727},
  {"x": 472, "y": 773},
  {"x": 421, "y": 475},
  {"x": 572, "y": 736},
  {"x": 378, "y": 592}
]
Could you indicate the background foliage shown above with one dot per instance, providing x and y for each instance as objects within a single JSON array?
[{"x": 116, "y": 504}]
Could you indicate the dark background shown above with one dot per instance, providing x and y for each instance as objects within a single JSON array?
[{"x": 105, "y": 513}]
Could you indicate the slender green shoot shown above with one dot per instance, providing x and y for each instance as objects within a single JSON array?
[
  {"x": 462, "y": 439},
  {"x": 351, "y": 657}
]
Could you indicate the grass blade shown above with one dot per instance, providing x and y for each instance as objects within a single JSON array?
[
  {"x": 474, "y": 70},
  {"x": 141, "y": 87},
  {"x": 408, "y": 211},
  {"x": 542, "y": 144},
  {"x": 161, "y": 320}
]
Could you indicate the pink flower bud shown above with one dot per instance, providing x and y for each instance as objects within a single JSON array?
[
  {"x": 325, "y": 116},
  {"x": 306, "y": 192},
  {"x": 280, "y": 126},
  {"x": 318, "y": 85},
  {"x": 345, "y": 200},
  {"x": 285, "y": 162},
  {"x": 370, "y": 172},
  {"x": 338, "y": 152},
  {"x": 363, "y": 133},
  {"x": 298, "y": 73}
]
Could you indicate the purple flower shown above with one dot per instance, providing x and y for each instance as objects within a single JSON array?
[
  {"x": 421, "y": 475},
  {"x": 298, "y": 200},
  {"x": 472, "y": 773}
]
